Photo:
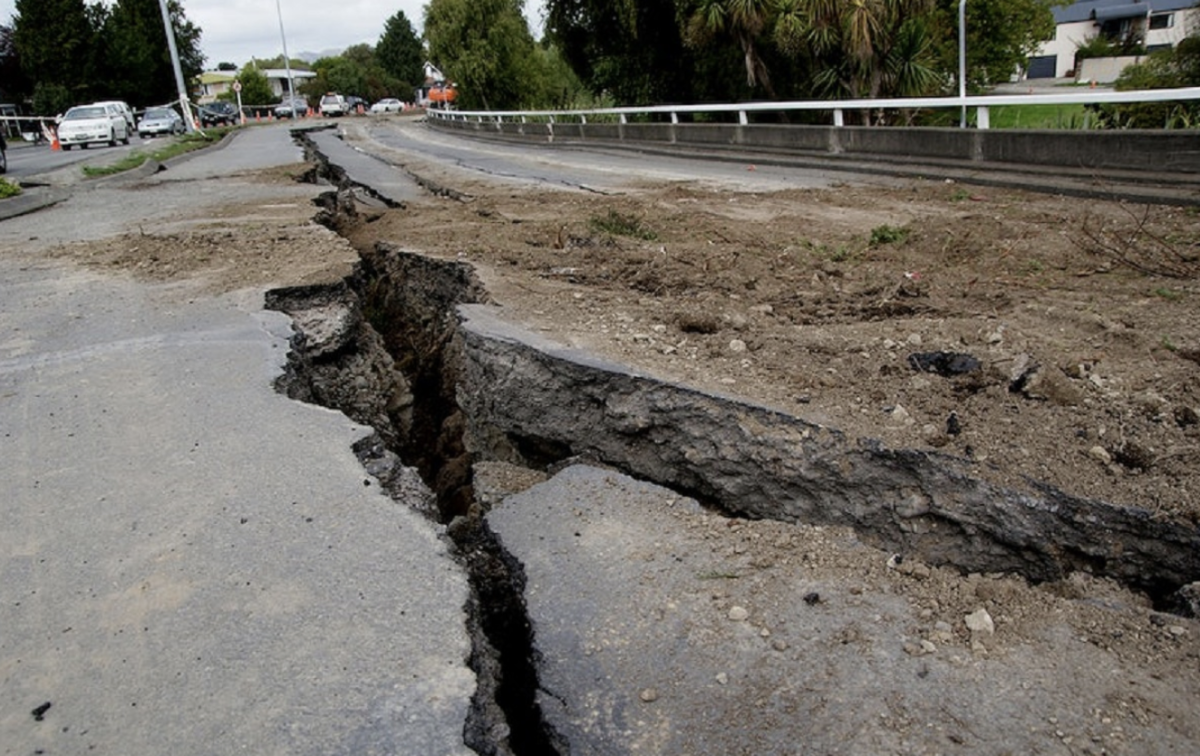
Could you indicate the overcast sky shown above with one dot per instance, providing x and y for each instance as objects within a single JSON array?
[{"x": 235, "y": 30}]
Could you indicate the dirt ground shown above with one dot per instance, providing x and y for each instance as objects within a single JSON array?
[{"x": 1082, "y": 316}]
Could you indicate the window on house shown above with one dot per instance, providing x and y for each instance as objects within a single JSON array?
[{"x": 1162, "y": 21}]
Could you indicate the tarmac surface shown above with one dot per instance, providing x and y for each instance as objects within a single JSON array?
[{"x": 193, "y": 563}]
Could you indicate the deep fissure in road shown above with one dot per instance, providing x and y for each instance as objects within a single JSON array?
[{"x": 378, "y": 347}]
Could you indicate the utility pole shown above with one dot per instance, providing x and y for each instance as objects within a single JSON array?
[
  {"x": 962, "y": 60},
  {"x": 287, "y": 63},
  {"x": 184, "y": 105}
]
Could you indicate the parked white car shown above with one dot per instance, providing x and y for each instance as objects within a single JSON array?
[
  {"x": 387, "y": 105},
  {"x": 92, "y": 124}
]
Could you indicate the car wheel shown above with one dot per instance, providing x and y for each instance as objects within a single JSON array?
[
  {"x": 67, "y": 147},
  {"x": 125, "y": 140},
  {"x": 3, "y": 161},
  {"x": 112, "y": 137}
]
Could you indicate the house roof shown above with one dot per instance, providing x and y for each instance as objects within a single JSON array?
[
  {"x": 1087, "y": 10},
  {"x": 217, "y": 77},
  {"x": 281, "y": 73}
]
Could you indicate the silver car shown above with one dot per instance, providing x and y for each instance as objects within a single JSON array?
[
  {"x": 92, "y": 124},
  {"x": 157, "y": 121}
]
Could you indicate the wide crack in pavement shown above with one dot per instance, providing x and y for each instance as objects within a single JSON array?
[{"x": 388, "y": 348}]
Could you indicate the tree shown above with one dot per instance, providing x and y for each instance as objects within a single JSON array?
[
  {"x": 484, "y": 46},
  {"x": 400, "y": 53},
  {"x": 139, "y": 66},
  {"x": 1001, "y": 35},
  {"x": 256, "y": 89},
  {"x": 742, "y": 20},
  {"x": 862, "y": 49},
  {"x": 14, "y": 85},
  {"x": 55, "y": 39},
  {"x": 631, "y": 51}
]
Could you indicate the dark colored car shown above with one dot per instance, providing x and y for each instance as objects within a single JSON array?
[
  {"x": 219, "y": 113},
  {"x": 291, "y": 108}
]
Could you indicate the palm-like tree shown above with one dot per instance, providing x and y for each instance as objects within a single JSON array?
[
  {"x": 744, "y": 20},
  {"x": 861, "y": 48}
]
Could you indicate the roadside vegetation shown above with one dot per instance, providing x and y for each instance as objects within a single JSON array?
[
  {"x": 8, "y": 189},
  {"x": 172, "y": 147}
]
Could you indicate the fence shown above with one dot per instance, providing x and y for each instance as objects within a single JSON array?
[{"x": 1161, "y": 151}]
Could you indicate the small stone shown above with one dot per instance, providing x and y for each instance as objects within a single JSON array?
[
  {"x": 739, "y": 614},
  {"x": 980, "y": 622},
  {"x": 722, "y": 678},
  {"x": 649, "y": 695},
  {"x": 1186, "y": 416},
  {"x": 737, "y": 346},
  {"x": 1177, "y": 630},
  {"x": 812, "y": 598},
  {"x": 765, "y": 633},
  {"x": 915, "y": 339},
  {"x": 1100, "y": 454},
  {"x": 928, "y": 647},
  {"x": 900, "y": 415},
  {"x": 779, "y": 644},
  {"x": 912, "y": 649}
]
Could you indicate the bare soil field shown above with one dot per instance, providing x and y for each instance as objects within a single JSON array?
[{"x": 1047, "y": 338}]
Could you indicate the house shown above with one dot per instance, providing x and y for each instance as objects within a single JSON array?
[
  {"x": 1157, "y": 23},
  {"x": 215, "y": 83},
  {"x": 277, "y": 79}
]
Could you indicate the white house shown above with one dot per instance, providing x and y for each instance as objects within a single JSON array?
[
  {"x": 277, "y": 78},
  {"x": 1160, "y": 23}
]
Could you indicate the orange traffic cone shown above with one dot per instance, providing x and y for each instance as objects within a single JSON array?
[{"x": 51, "y": 136}]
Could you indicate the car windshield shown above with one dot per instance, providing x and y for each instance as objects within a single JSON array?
[
  {"x": 158, "y": 113},
  {"x": 79, "y": 114}
]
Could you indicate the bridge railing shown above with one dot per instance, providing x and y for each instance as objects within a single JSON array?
[{"x": 979, "y": 104}]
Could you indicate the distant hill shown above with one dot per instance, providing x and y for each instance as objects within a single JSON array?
[{"x": 312, "y": 57}]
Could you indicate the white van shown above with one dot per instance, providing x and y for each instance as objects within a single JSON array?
[
  {"x": 333, "y": 104},
  {"x": 126, "y": 113}
]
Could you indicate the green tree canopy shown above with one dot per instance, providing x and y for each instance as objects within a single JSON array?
[
  {"x": 1001, "y": 35},
  {"x": 84, "y": 52},
  {"x": 256, "y": 90},
  {"x": 56, "y": 39},
  {"x": 14, "y": 85},
  {"x": 139, "y": 68},
  {"x": 400, "y": 52},
  {"x": 633, "y": 52},
  {"x": 484, "y": 46}
]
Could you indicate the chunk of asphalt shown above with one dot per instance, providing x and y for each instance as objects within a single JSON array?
[{"x": 633, "y": 593}]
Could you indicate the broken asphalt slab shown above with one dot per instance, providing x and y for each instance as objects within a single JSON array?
[
  {"x": 661, "y": 628},
  {"x": 193, "y": 563}
]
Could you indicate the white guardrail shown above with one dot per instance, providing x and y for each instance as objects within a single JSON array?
[{"x": 980, "y": 104}]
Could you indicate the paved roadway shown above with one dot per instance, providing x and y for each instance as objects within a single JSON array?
[{"x": 192, "y": 563}]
